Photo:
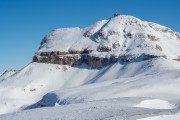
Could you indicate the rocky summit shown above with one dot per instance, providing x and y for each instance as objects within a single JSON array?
[{"x": 120, "y": 38}]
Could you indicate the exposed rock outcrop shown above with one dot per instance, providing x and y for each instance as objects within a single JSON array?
[
  {"x": 177, "y": 59},
  {"x": 104, "y": 49},
  {"x": 74, "y": 59},
  {"x": 178, "y": 35},
  {"x": 158, "y": 48},
  {"x": 86, "y": 58},
  {"x": 152, "y": 37}
]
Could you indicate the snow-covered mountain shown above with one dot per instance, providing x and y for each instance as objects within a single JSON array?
[
  {"x": 122, "y": 68},
  {"x": 120, "y": 38}
]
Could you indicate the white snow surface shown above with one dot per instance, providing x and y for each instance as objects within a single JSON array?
[
  {"x": 107, "y": 110},
  {"x": 155, "y": 104},
  {"x": 136, "y": 90},
  {"x": 164, "y": 117}
]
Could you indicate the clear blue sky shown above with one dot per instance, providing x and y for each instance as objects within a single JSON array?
[{"x": 23, "y": 23}]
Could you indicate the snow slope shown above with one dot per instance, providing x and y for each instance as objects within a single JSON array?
[
  {"x": 136, "y": 80},
  {"x": 139, "y": 89}
]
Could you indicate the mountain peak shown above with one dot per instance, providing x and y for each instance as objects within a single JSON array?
[{"x": 121, "y": 35}]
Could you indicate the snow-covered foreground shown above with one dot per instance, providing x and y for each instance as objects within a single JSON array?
[
  {"x": 112, "y": 109},
  {"x": 126, "y": 91},
  {"x": 164, "y": 117}
]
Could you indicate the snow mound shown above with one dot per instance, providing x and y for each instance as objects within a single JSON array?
[
  {"x": 155, "y": 104},
  {"x": 164, "y": 117}
]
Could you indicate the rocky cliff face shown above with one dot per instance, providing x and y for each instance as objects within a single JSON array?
[
  {"x": 86, "y": 58},
  {"x": 121, "y": 38},
  {"x": 74, "y": 59}
]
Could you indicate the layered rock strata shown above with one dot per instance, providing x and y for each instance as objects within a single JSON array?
[{"x": 65, "y": 58}]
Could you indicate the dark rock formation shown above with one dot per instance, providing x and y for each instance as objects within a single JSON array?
[
  {"x": 158, "y": 48},
  {"x": 177, "y": 59},
  {"x": 116, "y": 14},
  {"x": 177, "y": 35},
  {"x": 152, "y": 37},
  {"x": 130, "y": 35},
  {"x": 104, "y": 49},
  {"x": 72, "y": 58},
  {"x": 115, "y": 45}
]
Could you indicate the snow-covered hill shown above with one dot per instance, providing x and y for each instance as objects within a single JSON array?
[{"x": 141, "y": 81}]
